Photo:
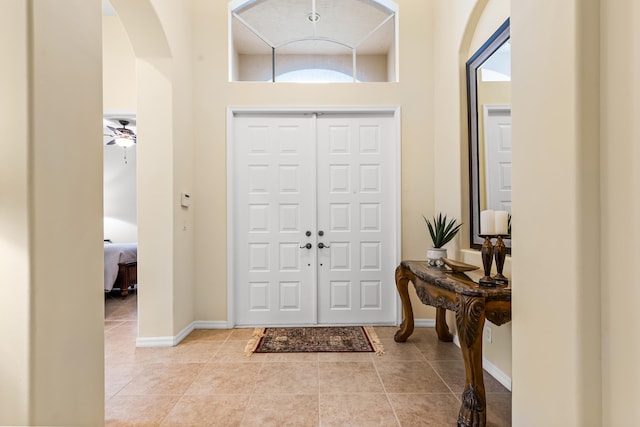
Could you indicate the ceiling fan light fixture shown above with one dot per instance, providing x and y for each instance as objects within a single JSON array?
[{"x": 124, "y": 141}]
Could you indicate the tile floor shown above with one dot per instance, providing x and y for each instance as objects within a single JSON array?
[{"x": 207, "y": 381}]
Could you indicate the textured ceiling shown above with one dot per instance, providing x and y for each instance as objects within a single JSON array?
[{"x": 361, "y": 24}]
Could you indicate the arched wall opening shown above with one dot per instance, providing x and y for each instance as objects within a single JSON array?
[{"x": 155, "y": 165}]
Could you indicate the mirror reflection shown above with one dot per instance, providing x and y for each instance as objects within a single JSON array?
[{"x": 489, "y": 97}]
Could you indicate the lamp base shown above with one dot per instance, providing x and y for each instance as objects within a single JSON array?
[
  {"x": 487, "y": 281},
  {"x": 501, "y": 279}
]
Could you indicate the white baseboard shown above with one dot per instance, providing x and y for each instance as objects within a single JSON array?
[
  {"x": 172, "y": 341},
  {"x": 155, "y": 342},
  {"x": 217, "y": 324},
  {"x": 491, "y": 369}
]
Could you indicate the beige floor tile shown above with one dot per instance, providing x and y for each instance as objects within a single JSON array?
[
  {"x": 414, "y": 377},
  {"x": 208, "y": 335},
  {"x": 196, "y": 351},
  {"x": 453, "y": 373},
  {"x": 200, "y": 411},
  {"x": 346, "y": 357},
  {"x": 162, "y": 379},
  {"x": 425, "y": 409},
  {"x": 288, "y": 378},
  {"x": 225, "y": 378},
  {"x": 498, "y": 409},
  {"x": 139, "y": 410},
  {"x": 152, "y": 355},
  {"x": 110, "y": 324},
  {"x": 233, "y": 351},
  {"x": 356, "y": 410},
  {"x": 394, "y": 351},
  {"x": 241, "y": 334},
  {"x": 116, "y": 377},
  {"x": 438, "y": 350},
  {"x": 281, "y": 410},
  {"x": 290, "y": 357},
  {"x": 209, "y": 381},
  {"x": 386, "y": 331},
  {"x": 349, "y": 377}
]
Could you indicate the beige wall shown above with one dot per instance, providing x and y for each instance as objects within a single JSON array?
[
  {"x": 52, "y": 320},
  {"x": 214, "y": 93},
  {"x": 460, "y": 29},
  {"x": 257, "y": 68},
  {"x": 556, "y": 268},
  {"x": 160, "y": 35},
  {"x": 15, "y": 245},
  {"x": 620, "y": 208},
  {"x": 118, "y": 68}
]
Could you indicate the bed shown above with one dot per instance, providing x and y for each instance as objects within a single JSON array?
[{"x": 120, "y": 266}]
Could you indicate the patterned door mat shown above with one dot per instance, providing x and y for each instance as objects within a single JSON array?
[{"x": 314, "y": 340}]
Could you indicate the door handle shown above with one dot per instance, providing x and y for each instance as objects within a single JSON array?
[
  {"x": 322, "y": 246},
  {"x": 308, "y": 246}
]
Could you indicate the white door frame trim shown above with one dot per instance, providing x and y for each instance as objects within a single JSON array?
[{"x": 233, "y": 110}]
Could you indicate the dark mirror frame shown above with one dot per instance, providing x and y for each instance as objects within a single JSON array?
[{"x": 486, "y": 50}]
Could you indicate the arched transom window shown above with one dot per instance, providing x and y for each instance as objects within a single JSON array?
[{"x": 313, "y": 40}]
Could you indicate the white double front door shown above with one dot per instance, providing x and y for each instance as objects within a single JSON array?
[{"x": 314, "y": 218}]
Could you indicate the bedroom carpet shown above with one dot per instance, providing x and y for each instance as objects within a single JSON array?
[{"x": 343, "y": 339}]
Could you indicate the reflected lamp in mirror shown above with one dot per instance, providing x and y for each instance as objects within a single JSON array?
[{"x": 489, "y": 108}]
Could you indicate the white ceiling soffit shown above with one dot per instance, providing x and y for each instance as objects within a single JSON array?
[
  {"x": 107, "y": 9},
  {"x": 363, "y": 24}
]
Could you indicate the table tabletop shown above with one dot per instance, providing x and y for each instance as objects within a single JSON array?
[{"x": 459, "y": 283}]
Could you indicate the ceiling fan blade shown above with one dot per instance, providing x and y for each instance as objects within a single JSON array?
[{"x": 112, "y": 142}]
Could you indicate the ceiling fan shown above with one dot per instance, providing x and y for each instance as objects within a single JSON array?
[{"x": 120, "y": 135}]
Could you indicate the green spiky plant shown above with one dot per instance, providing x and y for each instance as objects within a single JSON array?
[{"x": 441, "y": 230}]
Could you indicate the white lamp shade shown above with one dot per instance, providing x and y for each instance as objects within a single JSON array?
[{"x": 124, "y": 142}]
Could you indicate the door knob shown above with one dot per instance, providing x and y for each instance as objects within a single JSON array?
[
  {"x": 322, "y": 245},
  {"x": 308, "y": 246}
]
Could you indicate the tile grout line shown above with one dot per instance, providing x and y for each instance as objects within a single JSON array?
[
  {"x": 443, "y": 381},
  {"x": 386, "y": 393},
  {"x": 252, "y": 392}
]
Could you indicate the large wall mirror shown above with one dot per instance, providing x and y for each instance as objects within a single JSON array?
[{"x": 489, "y": 107}]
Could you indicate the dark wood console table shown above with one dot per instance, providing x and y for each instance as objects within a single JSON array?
[{"x": 472, "y": 304}]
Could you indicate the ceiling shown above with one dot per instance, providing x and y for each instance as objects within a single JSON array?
[
  {"x": 341, "y": 25},
  {"x": 107, "y": 9},
  {"x": 259, "y": 25}
]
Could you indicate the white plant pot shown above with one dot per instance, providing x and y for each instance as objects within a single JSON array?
[{"x": 434, "y": 257}]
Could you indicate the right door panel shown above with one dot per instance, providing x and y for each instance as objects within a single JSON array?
[{"x": 356, "y": 191}]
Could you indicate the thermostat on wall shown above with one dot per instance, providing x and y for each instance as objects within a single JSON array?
[{"x": 185, "y": 200}]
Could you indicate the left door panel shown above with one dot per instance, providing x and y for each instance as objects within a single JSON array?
[{"x": 274, "y": 207}]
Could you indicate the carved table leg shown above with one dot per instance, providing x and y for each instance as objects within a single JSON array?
[
  {"x": 441, "y": 325},
  {"x": 402, "y": 283},
  {"x": 470, "y": 317}
]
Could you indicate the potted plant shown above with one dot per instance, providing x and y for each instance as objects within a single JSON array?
[{"x": 442, "y": 231}]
